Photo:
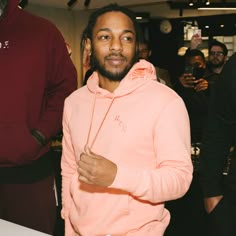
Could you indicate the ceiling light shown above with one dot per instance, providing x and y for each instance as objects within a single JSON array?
[
  {"x": 190, "y": 3},
  {"x": 219, "y": 6},
  {"x": 142, "y": 17}
]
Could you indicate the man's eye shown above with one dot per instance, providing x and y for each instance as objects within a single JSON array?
[
  {"x": 127, "y": 38},
  {"x": 104, "y": 37}
]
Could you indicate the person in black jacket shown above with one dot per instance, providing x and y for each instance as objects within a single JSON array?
[
  {"x": 219, "y": 190},
  {"x": 195, "y": 87},
  {"x": 217, "y": 53}
]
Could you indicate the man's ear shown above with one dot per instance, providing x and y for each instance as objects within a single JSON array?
[
  {"x": 87, "y": 52},
  {"x": 226, "y": 58},
  {"x": 88, "y": 46},
  {"x": 150, "y": 53}
]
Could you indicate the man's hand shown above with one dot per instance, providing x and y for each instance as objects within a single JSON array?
[
  {"x": 210, "y": 203},
  {"x": 187, "y": 80},
  {"x": 96, "y": 170},
  {"x": 195, "y": 42},
  {"x": 201, "y": 84}
]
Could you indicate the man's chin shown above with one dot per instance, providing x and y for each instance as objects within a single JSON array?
[
  {"x": 216, "y": 65},
  {"x": 113, "y": 75}
]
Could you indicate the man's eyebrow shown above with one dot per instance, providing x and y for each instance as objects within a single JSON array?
[
  {"x": 129, "y": 31},
  {"x": 104, "y": 29},
  {"x": 109, "y": 30}
]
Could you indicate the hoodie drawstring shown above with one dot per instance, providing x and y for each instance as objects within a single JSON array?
[{"x": 100, "y": 126}]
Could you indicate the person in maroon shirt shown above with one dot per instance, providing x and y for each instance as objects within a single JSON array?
[{"x": 36, "y": 75}]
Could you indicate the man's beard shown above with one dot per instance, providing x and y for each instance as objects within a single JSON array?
[
  {"x": 3, "y": 4},
  {"x": 217, "y": 65},
  {"x": 117, "y": 76}
]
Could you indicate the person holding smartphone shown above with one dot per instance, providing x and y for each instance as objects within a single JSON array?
[
  {"x": 217, "y": 53},
  {"x": 219, "y": 190},
  {"x": 195, "y": 86}
]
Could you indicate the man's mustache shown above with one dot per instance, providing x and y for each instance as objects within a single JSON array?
[{"x": 115, "y": 55}]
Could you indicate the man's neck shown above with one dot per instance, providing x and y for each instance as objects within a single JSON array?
[
  {"x": 217, "y": 70},
  {"x": 108, "y": 84}
]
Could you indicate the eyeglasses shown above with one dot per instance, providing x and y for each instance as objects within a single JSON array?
[{"x": 216, "y": 53}]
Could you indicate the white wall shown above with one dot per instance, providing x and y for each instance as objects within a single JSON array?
[{"x": 70, "y": 24}]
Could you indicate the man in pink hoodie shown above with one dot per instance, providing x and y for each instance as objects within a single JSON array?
[{"x": 126, "y": 143}]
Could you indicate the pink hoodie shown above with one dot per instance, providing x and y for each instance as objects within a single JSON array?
[{"x": 143, "y": 127}]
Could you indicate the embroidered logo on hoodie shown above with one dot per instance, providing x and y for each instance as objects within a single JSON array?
[
  {"x": 120, "y": 123},
  {"x": 4, "y": 45}
]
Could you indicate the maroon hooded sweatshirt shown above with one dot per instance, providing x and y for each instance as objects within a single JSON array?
[{"x": 36, "y": 75}]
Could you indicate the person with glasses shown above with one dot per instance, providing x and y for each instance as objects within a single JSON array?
[
  {"x": 217, "y": 56},
  {"x": 196, "y": 94},
  {"x": 219, "y": 190},
  {"x": 195, "y": 86},
  {"x": 217, "y": 53}
]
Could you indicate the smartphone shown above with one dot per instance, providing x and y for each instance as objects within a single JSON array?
[{"x": 189, "y": 69}]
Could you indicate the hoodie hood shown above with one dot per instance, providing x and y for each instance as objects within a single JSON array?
[
  {"x": 139, "y": 74},
  {"x": 9, "y": 12}
]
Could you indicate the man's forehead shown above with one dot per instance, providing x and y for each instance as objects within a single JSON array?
[
  {"x": 196, "y": 59},
  {"x": 114, "y": 19},
  {"x": 216, "y": 48}
]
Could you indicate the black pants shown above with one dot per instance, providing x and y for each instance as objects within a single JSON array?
[
  {"x": 31, "y": 205},
  {"x": 188, "y": 216}
]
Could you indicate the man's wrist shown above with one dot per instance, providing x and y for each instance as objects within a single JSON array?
[{"x": 39, "y": 137}]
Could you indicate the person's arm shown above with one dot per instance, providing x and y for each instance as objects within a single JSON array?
[
  {"x": 61, "y": 81},
  {"x": 195, "y": 42},
  {"x": 211, "y": 202},
  {"x": 218, "y": 136},
  {"x": 69, "y": 171},
  {"x": 172, "y": 178},
  {"x": 173, "y": 173}
]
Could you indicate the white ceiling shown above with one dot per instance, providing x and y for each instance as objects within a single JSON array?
[
  {"x": 156, "y": 8},
  {"x": 79, "y": 5}
]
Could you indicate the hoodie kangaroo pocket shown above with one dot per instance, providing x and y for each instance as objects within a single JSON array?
[
  {"x": 86, "y": 198},
  {"x": 18, "y": 146}
]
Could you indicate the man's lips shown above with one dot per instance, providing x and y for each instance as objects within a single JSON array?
[{"x": 115, "y": 60}]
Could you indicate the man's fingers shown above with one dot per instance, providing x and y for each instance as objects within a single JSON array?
[
  {"x": 84, "y": 180},
  {"x": 87, "y": 149}
]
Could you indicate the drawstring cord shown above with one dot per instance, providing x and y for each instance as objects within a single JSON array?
[
  {"x": 90, "y": 126},
  {"x": 100, "y": 126}
]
